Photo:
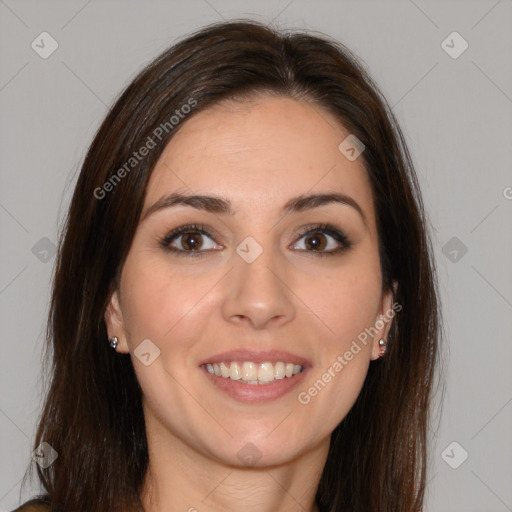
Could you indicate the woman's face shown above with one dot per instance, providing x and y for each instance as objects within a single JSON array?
[{"x": 252, "y": 288}]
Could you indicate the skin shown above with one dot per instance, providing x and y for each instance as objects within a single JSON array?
[{"x": 258, "y": 154}]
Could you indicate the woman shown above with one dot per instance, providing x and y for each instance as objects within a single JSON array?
[{"x": 245, "y": 310}]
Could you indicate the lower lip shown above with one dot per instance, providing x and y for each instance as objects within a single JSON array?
[{"x": 255, "y": 393}]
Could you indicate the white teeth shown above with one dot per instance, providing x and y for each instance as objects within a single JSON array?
[
  {"x": 249, "y": 372},
  {"x": 279, "y": 371},
  {"x": 224, "y": 370},
  {"x": 252, "y": 373},
  {"x": 235, "y": 372},
  {"x": 266, "y": 372}
]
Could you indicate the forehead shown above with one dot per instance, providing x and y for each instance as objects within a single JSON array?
[{"x": 258, "y": 154}]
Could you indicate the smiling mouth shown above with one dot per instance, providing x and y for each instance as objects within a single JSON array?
[{"x": 248, "y": 372}]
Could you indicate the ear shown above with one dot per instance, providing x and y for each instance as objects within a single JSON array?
[
  {"x": 384, "y": 320},
  {"x": 115, "y": 323}
]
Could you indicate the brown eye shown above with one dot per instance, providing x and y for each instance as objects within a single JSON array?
[
  {"x": 191, "y": 240},
  {"x": 316, "y": 241},
  {"x": 323, "y": 240}
]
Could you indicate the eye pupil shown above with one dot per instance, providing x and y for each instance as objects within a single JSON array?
[
  {"x": 196, "y": 242},
  {"x": 319, "y": 244}
]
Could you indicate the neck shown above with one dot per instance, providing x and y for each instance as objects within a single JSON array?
[{"x": 179, "y": 478}]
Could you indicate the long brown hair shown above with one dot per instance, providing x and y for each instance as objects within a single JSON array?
[{"x": 93, "y": 414}]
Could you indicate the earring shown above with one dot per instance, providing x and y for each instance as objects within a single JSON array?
[
  {"x": 382, "y": 344},
  {"x": 113, "y": 342}
]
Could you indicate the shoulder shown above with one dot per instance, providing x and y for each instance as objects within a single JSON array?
[{"x": 33, "y": 506}]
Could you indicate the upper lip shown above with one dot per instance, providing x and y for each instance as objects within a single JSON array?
[{"x": 256, "y": 356}]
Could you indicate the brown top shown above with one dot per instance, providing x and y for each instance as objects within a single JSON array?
[{"x": 32, "y": 506}]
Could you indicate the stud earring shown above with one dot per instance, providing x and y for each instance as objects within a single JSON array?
[
  {"x": 382, "y": 345},
  {"x": 113, "y": 342}
]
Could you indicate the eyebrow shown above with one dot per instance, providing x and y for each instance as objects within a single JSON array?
[{"x": 218, "y": 205}]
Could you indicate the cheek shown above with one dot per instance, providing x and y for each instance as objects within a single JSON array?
[
  {"x": 347, "y": 303},
  {"x": 347, "y": 306},
  {"x": 160, "y": 300},
  {"x": 149, "y": 307}
]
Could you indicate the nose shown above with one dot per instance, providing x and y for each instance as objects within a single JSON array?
[{"x": 257, "y": 293}]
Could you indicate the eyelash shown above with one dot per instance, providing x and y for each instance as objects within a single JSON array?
[{"x": 328, "y": 229}]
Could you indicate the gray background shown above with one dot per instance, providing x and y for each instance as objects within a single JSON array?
[{"x": 455, "y": 112}]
